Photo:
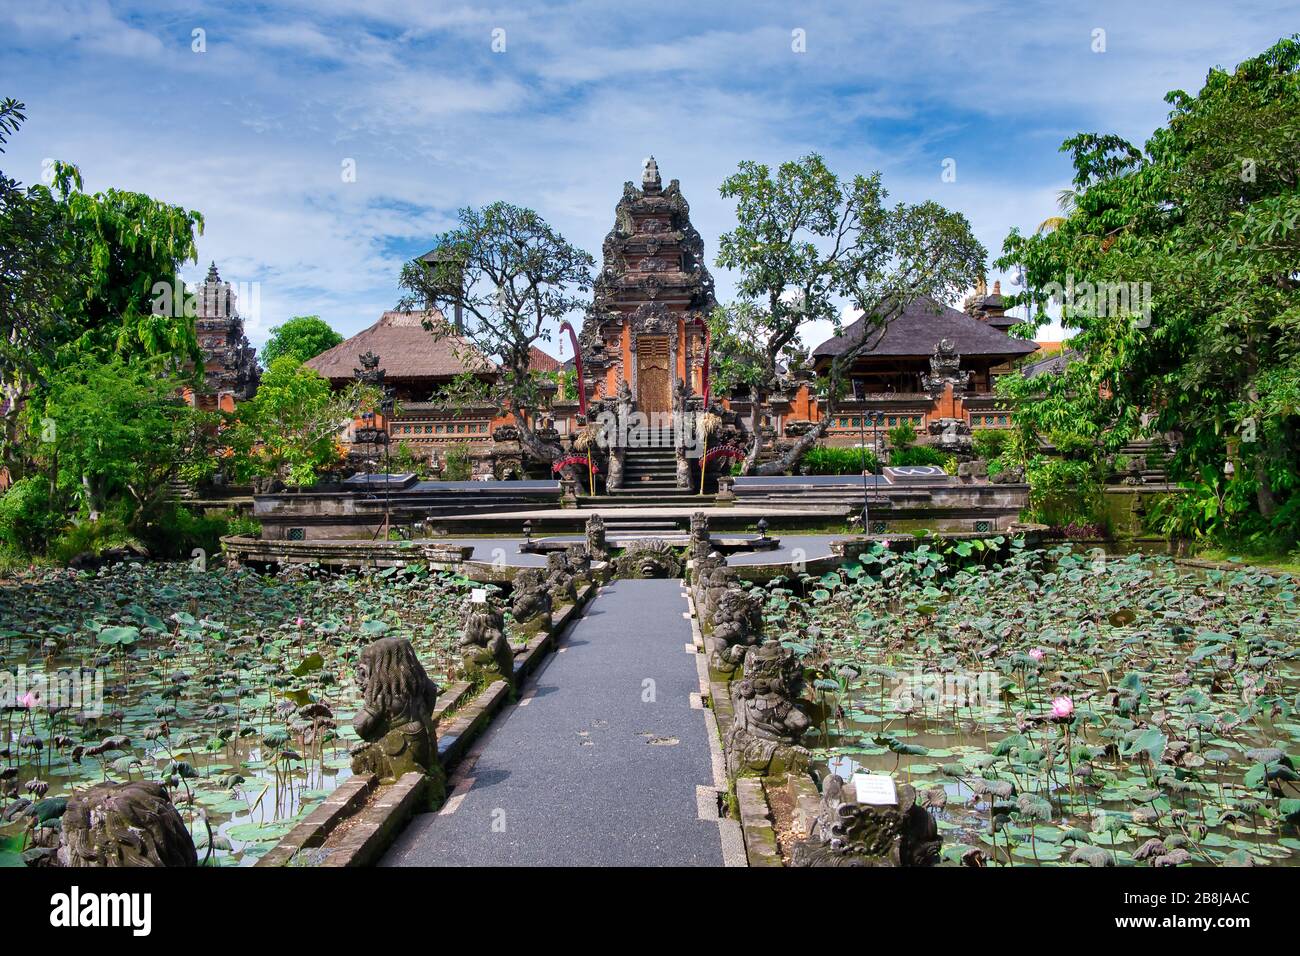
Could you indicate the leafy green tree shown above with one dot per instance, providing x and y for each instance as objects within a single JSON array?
[
  {"x": 1204, "y": 223},
  {"x": 303, "y": 337},
  {"x": 290, "y": 429},
  {"x": 514, "y": 277},
  {"x": 805, "y": 243},
  {"x": 117, "y": 428},
  {"x": 78, "y": 273}
]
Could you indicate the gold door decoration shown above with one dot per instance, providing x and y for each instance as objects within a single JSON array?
[{"x": 653, "y": 392}]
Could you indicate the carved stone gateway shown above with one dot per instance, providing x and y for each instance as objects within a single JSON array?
[
  {"x": 125, "y": 824},
  {"x": 768, "y": 724},
  {"x": 640, "y": 334},
  {"x": 848, "y": 833},
  {"x": 395, "y": 721}
]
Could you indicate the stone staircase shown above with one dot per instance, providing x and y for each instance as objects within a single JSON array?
[
  {"x": 651, "y": 468},
  {"x": 1153, "y": 472},
  {"x": 178, "y": 490}
]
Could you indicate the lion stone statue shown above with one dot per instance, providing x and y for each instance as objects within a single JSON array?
[
  {"x": 768, "y": 724},
  {"x": 487, "y": 656},
  {"x": 125, "y": 824},
  {"x": 848, "y": 833},
  {"x": 559, "y": 579},
  {"x": 396, "y": 717},
  {"x": 648, "y": 558},
  {"x": 530, "y": 606}
]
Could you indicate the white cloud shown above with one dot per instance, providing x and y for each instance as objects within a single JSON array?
[{"x": 253, "y": 131}]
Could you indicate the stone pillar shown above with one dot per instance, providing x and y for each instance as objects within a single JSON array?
[{"x": 568, "y": 493}]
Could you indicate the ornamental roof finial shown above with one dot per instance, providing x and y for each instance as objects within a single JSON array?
[
  {"x": 650, "y": 174},
  {"x": 213, "y": 277}
]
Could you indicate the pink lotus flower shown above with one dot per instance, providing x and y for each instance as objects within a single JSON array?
[
  {"x": 1062, "y": 707},
  {"x": 301, "y": 622},
  {"x": 29, "y": 700},
  {"x": 1037, "y": 654},
  {"x": 885, "y": 543}
]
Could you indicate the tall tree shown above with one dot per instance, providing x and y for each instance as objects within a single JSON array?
[
  {"x": 117, "y": 429},
  {"x": 805, "y": 243},
  {"x": 1202, "y": 225},
  {"x": 513, "y": 277},
  {"x": 289, "y": 429},
  {"x": 77, "y": 275},
  {"x": 303, "y": 337}
]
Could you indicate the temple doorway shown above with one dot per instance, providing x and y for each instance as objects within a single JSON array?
[{"x": 653, "y": 383}]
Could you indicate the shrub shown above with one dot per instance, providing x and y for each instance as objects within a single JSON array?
[
  {"x": 902, "y": 436},
  {"x": 27, "y": 522},
  {"x": 456, "y": 465},
  {"x": 92, "y": 537},
  {"x": 175, "y": 532},
  {"x": 244, "y": 526},
  {"x": 1064, "y": 492},
  {"x": 838, "y": 461},
  {"x": 916, "y": 455},
  {"x": 989, "y": 443}
]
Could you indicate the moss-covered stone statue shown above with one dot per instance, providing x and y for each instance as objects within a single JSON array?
[
  {"x": 701, "y": 544},
  {"x": 395, "y": 721},
  {"x": 736, "y": 624},
  {"x": 848, "y": 833},
  {"x": 648, "y": 558},
  {"x": 768, "y": 724},
  {"x": 596, "y": 544},
  {"x": 530, "y": 603},
  {"x": 716, "y": 580},
  {"x": 486, "y": 655},
  {"x": 124, "y": 824},
  {"x": 578, "y": 560},
  {"x": 559, "y": 580}
]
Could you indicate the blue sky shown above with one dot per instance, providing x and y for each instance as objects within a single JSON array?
[{"x": 254, "y": 131}]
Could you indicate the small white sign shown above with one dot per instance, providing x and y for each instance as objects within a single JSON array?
[
  {"x": 478, "y": 596},
  {"x": 875, "y": 789}
]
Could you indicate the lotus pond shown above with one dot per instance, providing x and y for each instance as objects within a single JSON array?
[
  {"x": 236, "y": 689},
  {"x": 1057, "y": 707}
]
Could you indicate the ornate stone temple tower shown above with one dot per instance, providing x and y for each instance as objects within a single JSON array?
[
  {"x": 640, "y": 336},
  {"x": 230, "y": 369}
]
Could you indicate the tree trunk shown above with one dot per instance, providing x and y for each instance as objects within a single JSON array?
[
  {"x": 1264, "y": 496},
  {"x": 534, "y": 446},
  {"x": 796, "y": 451},
  {"x": 756, "y": 433}
]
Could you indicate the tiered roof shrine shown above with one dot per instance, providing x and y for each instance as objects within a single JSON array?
[{"x": 645, "y": 329}]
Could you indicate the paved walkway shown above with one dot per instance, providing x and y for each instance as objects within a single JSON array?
[{"x": 605, "y": 761}]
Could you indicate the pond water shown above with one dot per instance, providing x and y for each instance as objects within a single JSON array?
[
  {"x": 237, "y": 689},
  {"x": 1061, "y": 705}
]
